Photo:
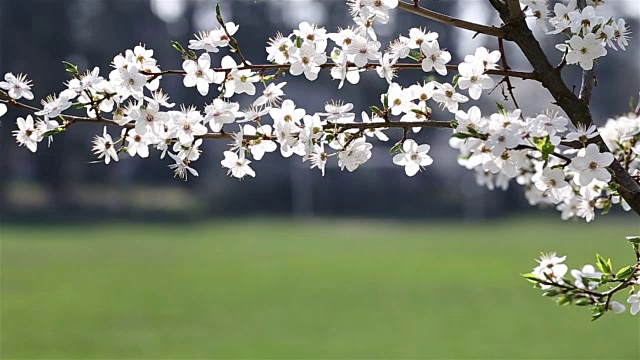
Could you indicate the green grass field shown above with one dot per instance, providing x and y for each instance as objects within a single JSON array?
[{"x": 327, "y": 289}]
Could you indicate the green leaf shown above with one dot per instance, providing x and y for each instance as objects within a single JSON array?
[
  {"x": 415, "y": 55},
  {"x": 455, "y": 79},
  {"x": 624, "y": 273},
  {"x": 551, "y": 293},
  {"x": 176, "y": 45},
  {"x": 564, "y": 300},
  {"x": 376, "y": 110},
  {"x": 298, "y": 42},
  {"x": 418, "y": 111},
  {"x": 219, "y": 14},
  {"x": 545, "y": 146},
  {"x": 57, "y": 130},
  {"x": 531, "y": 277},
  {"x": 583, "y": 302},
  {"x": 603, "y": 265},
  {"x": 595, "y": 316},
  {"x": 71, "y": 68},
  {"x": 459, "y": 135},
  {"x": 395, "y": 148},
  {"x": 500, "y": 107}
]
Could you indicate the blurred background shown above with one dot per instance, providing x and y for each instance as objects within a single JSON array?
[{"x": 127, "y": 262}]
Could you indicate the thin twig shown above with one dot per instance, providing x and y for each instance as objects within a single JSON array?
[
  {"x": 414, "y": 8},
  {"x": 369, "y": 67},
  {"x": 505, "y": 66},
  {"x": 529, "y": 147},
  {"x": 70, "y": 119},
  {"x": 588, "y": 76}
]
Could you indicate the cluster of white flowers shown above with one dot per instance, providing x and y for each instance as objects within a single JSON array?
[
  {"x": 29, "y": 132},
  {"x": 589, "y": 34},
  {"x": 550, "y": 273},
  {"x": 505, "y": 146}
]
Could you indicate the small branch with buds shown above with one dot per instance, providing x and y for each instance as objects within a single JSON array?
[
  {"x": 549, "y": 276},
  {"x": 369, "y": 67},
  {"x": 70, "y": 119}
]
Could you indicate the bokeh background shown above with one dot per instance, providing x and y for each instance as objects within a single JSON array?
[{"x": 127, "y": 262}]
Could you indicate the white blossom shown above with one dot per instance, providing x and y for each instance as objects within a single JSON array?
[
  {"x": 27, "y": 134},
  {"x": 590, "y": 164},
  {"x": 338, "y": 112},
  {"x": 551, "y": 268},
  {"x": 313, "y": 35},
  {"x": 260, "y": 146},
  {"x": 219, "y": 113},
  {"x": 585, "y": 50},
  {"x": 419, "y": 36},
  {"x": 358, "y": 152},
  {"x": 307, "y": 60},
  {"x": 271, "y": 95},
  {"x": 634, "y": 300},
  {"x": 488, "y": 59},
  {"x": 199, "y": 74},
  {"x": 342, "y": 71},
  {"x": 54, "y": 106},
  {"x": 552, "y": 182},
  {"x": 377, "y": 132},
  {"x": 414, "y": 157},
  {"x": 238, "y": 165},
  {"x": 318, "y": 157},
  {"x": 137, "y": 144},
  {"x": 434, "y": 58},
  {"x": 584, "y": 277},
  {"x": 104, "y": 147},
  {"x": 278, "y": 49},
  {"x": 362, "y": 50},
  {"x": 187, "y": 125},
  {"x": 17, "y": 86},
  {"x": 472, "y": 77},
  {"x": 238, "y": 80},
  {"x": 447, "y": 97},
  {"x": 181, "y": 167}
]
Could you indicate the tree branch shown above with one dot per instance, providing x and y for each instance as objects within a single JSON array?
[
  {"x": 577, "y": 110},
  {"x": 449, "y": 20},
  {"x": 514, "y": 9},
  {"x": 70, "y": 120},
  {"x": 369, "y": 67}
]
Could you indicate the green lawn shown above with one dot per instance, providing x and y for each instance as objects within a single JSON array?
[{"x": 327, "y": 289}]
